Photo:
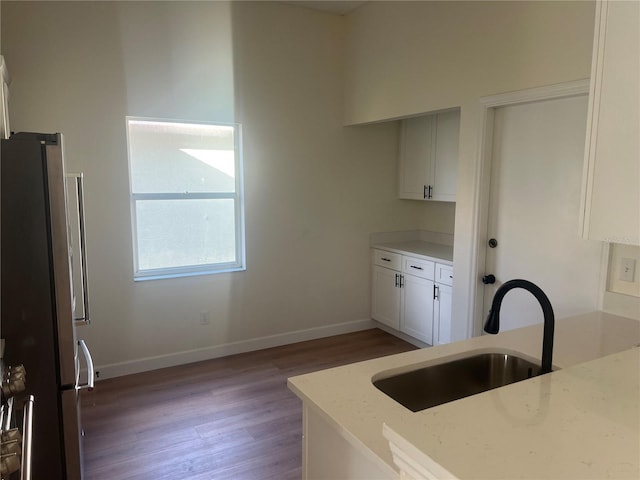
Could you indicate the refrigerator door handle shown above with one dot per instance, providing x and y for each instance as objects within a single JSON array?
[
  {"x": 27, "y": 439},
  {"x": 90, "y": 372},
  {"x": 83, "y": 250}
]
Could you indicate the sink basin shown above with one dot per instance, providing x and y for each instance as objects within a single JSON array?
[{"x": 444, "y": 382}]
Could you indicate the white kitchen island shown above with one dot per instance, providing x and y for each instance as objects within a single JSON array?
[{"x": 581, "y": 421}]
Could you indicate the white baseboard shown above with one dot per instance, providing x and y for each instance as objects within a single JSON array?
[
  {"x": 190, "y": 356},
  {"x": 403, "y": 336}
]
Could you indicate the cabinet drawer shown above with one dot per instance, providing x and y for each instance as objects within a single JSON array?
[
  {"x": 387, "y": 259},
  {"x": 444, "y": 274},
  {"x": 417, "y": 267}
]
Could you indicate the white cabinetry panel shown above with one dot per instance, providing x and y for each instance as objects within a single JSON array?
[
  {"x": 417, "y": 308},
  {"x": 406, "y": 297},
  {"x": 418, "y": 267},
  {"x": 444, "y": 274},
  {"x": 429, "y": 157},
  {"x": 446, "y": 158},
  {"x": 387, "y": 259},
  {"x": 416, "y": 149},
  {"x": 327, "y": 454},
  {"x": 611, "y": 203},
  {"x": 442, "y": 315},
  {"x": 385, "y": 298}
]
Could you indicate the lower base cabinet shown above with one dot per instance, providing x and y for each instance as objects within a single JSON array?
[
  {"x": 412, "y": 295},
  {"x": 328, "y": 455},
  {"x": 416, "y": 308},
  {"x": 442, "y": 315},
  {"x": 385, "y": 299}
]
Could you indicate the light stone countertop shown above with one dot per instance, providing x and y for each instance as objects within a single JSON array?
[
  {"x": 429, "y": 251},
  {"x": 578, "y": 423},
  {"x": 569, "y": 409}
]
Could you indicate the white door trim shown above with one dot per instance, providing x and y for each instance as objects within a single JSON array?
[
  {"x": 548, "y": 92},
  {"x": 483, "y": 175}
]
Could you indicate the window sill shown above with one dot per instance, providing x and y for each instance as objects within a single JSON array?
[{"x": 163, "y": 276}]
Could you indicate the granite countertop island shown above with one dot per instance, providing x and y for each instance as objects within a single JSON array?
[{"x": 581, "y": 421}]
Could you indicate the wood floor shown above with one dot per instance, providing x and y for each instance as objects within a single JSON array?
[{"x": 228, "y": 418}]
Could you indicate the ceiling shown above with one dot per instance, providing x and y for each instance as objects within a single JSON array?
[{"x": 339, "y": 7}]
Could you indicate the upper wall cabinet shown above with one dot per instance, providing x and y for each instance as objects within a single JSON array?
[
  {"x": 611, "y": 191},
  {"x": 429, "y": 157}
]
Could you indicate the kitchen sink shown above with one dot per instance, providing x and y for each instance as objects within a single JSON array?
[{"x": 451, "y": 380}]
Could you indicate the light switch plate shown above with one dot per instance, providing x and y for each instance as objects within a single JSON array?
[{"x": 627, "y": 269}]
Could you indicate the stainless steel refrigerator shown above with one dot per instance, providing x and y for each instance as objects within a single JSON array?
[{"x": 44, "y": 294}]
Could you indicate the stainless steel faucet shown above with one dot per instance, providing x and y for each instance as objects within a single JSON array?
[{"x": 492, "y": 325}]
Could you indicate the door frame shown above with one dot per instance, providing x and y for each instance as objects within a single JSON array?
[{"x": 488, "y": 106}]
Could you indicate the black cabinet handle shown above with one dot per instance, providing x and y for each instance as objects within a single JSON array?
[
  {"x": 417, "y": 268},
  {"x": 385, "y": 259}
]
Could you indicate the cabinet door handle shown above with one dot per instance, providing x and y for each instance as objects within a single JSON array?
[
  {"x": 385, "y": 259},
  {"x": 401, "y": 280},
  {"x": 435, "y": 292},
  {"x": 430, "y": 190},
  {"x": 424, "y": 192},
  {"x": 397, "y": 280},
  {"x": 417, "y": 268}
]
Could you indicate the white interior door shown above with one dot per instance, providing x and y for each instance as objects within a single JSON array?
[{"x": 536, "y": 176}]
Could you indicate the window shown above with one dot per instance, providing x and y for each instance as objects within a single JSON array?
[{"x": 186, "y": 198}]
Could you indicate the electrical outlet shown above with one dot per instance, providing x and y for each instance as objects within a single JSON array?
[
  {"x": 205, "y": 318},
  {"x": 627, "y": 269}
]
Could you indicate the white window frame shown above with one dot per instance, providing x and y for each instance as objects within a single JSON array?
[{"x": 237, "y": 197}]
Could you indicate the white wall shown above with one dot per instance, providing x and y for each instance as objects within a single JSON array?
[
  {"x": 410, "y": 57},
  {"x": 314, "y": 190},
  {"x": 405, "y": 58}
]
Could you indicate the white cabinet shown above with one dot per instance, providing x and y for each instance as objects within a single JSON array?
[
  {"x": 429, "y": 157},
  {"x": 445, "y": 163},
  {"x": 416, "y": 316},
  {"x": 442, "y": 315},
  {"x": 416, "y": 298},
  {"x": 416, "y": 140},
  {"x": 329, "y": 452},
  {"x": 611, "y": 191},
  {"x": 385, "y": 303},
  {"x": 405, "y": 296},
  {"x": 385, "y": 298},
  {"x": 442, "y": 301}
]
